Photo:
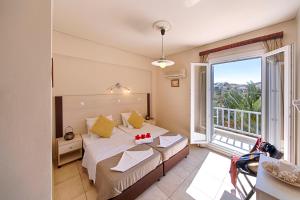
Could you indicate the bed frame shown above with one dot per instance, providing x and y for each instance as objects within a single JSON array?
[
  {"x": 171, "y": 162},
  {"x": 144, "y": 183}
]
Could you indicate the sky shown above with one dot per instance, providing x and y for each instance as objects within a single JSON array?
[{"x": 239, "y": 72}]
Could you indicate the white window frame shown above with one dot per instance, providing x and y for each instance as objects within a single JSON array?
[
  {"x": 243, "y": 56},
  {"x": 192, "y": 105},
  {"x": 288, "y": 132}
]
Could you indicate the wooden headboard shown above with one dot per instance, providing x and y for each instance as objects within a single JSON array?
[{"x": 73, "y": 110}]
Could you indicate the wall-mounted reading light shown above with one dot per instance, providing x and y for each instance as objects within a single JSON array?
[
  {"x": 118, "y": 86},
  {"x": 296, "y": 104}
]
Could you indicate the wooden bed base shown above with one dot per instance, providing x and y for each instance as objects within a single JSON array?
[
  {"x": 140, "y": 186},
  {"x": 171, "y": 162},
  {"x": 144, "y": 183}
]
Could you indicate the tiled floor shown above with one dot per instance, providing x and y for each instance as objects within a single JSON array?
[{"x": 203, "y": 175}]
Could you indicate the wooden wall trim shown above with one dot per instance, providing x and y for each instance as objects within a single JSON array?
[
  {"x": 148, "y": 105},
  {"x": 243, "y": 43},
  {"x": 58, "y": 116}
]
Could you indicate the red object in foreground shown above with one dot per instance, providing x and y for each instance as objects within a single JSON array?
[
  {"x": 143, "y": 136},
  {"x": 148, "y": 135},
  {"x": 137, "y": 137}
]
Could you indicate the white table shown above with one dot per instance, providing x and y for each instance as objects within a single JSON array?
[{"x": 269, "y": 188}]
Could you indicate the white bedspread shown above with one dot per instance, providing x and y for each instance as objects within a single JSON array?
[
  {"x": 147, "y": 128},
  {"x": 165, "y": 141},
  {"x": 131, "y": 158},
  {"x": 102, "y": 148},
  {"x": 88, "y": 139}
]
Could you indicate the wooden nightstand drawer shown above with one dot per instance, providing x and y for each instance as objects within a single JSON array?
[
  {"x": 69, "y": 147},
  {"x": 68, "y": 150}
]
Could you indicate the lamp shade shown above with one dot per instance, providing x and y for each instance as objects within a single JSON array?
[{"x": 163, "y": 63}]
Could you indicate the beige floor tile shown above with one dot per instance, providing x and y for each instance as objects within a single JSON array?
[
  {"x": 205, "y": 184},
  {"x": 238, "y": 192},
  {"x": 65, "y": 172},
  {"x": 81, "y": 197},
  {"x": 203, "y": 175},
  {"x": 87, "y": 185},
  {"x": 169, "y": 183},
  {"x": 181, "y": 194},
  {"x": 79, "y": 167},
  {"x": 180, "y": 171},
  {"x": 215, "y": 165},
  {"x": 69, "y": 189},
  {"x": 91, "y": 194},
  {"x": 152, "y": 193}
]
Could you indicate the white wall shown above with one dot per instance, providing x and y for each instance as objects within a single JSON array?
[
  {"x": 173, "y": 108},
  {"x": 84, "y": 67},
  {"x": 79, "y": 57},
  {"x": 25, "y": 95}
]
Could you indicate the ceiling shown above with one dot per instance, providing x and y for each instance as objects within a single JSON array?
[{"x": 127, "y": 24}]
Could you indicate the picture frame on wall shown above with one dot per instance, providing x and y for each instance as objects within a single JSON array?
[{"x": 175, "y": 83}]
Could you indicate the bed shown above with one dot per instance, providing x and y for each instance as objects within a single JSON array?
[
  {"x": 129, "y": 184},
  {"x": 172, "y": 154},
  {"x": 99, "y": 153},
  {"x": 97, "y": 149},
  {"x": 147, "y": 128}
]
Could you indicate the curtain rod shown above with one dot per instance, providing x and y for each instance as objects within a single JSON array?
[{"x": 243, "y": 43}]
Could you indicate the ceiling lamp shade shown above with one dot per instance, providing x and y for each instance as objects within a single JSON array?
[
  {"x": 162, "y": 26},
  {"x": 163, "y": 63}
]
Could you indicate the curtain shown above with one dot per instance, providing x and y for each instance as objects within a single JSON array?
[
  {"x": 202, "y": 95},
  {"x": 278, "y": 60},
  {"x": 271, "y": 45},
  {"x": 204, "y": 58}
]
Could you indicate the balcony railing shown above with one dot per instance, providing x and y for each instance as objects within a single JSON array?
[{"x": 239, "y": 121}]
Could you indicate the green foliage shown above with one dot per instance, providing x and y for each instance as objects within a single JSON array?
[
  {"x": 232, "y": 97},
  {"x": 235, "y": 99}
]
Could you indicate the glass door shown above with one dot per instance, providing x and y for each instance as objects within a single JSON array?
[
  {"x": 198, "y": 117},
  {"x": 277, "y": 99}
]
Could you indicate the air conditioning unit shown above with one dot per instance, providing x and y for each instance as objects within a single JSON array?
[{"x": 175, "y": 74}]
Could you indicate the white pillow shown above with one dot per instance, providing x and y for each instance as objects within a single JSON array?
[
  {"x": 125, "y": 117},
  {"x": 91, "y": 121}
]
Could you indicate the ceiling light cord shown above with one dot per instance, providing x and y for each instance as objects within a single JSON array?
[
  {"x": 162, "y": 26},
  {"x": 162, "y": 31},
  {"x": 162, "y": 47}
]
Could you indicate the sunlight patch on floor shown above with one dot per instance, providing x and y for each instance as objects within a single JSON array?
[
  {"x": 209, "y": 177},
  {"x": 212, "y": 181}
]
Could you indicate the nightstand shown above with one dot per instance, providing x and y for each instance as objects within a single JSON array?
[
  {"x": 151, "y": 121},
  {"x": 68, "y": 150}
]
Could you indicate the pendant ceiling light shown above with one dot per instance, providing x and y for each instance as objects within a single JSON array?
[{"x": 162, "y": 26}]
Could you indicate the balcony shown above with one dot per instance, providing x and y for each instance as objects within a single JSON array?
[{"x": 236, "y": 129}]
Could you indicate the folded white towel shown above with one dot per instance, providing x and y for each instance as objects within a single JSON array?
[
  {"x": 165, "y": 141},
  {"x": 131, "y": 158}
]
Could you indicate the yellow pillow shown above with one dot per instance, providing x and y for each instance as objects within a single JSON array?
[
  {"x": 136, "y": 120},
  {"x": 103, "y": 127}
]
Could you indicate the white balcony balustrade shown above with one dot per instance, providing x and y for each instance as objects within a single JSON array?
[{"x": 239, "y": 121}]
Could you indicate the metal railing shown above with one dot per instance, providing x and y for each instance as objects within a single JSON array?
[{"x": 239, "y": 121}]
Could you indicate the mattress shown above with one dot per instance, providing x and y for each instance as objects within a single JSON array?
[
  {"x": 147, "y": 128},
  {"x": 111, "y": 183},
  {"x": 98, "y": 149},
  {"x": 171, "y": 150}
]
